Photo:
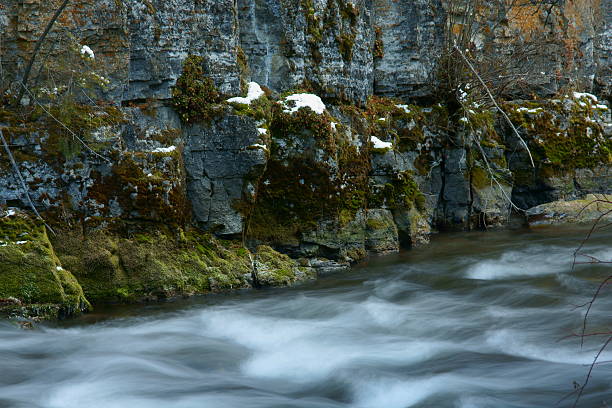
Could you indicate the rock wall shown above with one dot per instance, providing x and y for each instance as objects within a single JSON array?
[{"x": 129, "y": 145}]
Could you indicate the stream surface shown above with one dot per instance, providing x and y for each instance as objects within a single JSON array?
[{"x": 473, "y": 320}]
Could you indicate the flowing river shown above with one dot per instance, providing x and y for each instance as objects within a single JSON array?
[{"x": 473, "y": 320}]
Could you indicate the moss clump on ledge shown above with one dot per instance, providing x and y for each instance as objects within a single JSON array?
[
  {"x": 401, "y": 193},
  {"x": 152, "y": 264},
  {"x": 156, "y": 263},
  {"x": 33, "y": 283},
  {"x": 563, "y": 134},
  {"x": 275, "y": 269},
  {"x": 315, "y": 174},
  {"x": 195, "y": 97}
]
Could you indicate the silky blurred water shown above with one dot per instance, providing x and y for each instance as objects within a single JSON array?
[{"x": 473, "y": 320}]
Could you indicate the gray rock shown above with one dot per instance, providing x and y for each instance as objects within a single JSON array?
[{"x": 219, "y": 162}]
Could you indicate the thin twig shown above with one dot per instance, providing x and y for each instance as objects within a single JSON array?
[
  {"x": 471, "y": 67},
  {"x": 66, "y": 127},
  {"x": 39, "y": 43},
  {"x": 586, "y": 380},
  {"x": 24, "y": 186}
]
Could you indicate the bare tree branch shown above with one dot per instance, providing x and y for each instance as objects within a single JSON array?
[
  {"x": 41, "y": 39},
  {"x": 24, "y": 186},
  {"x": 488, "y": 91}
]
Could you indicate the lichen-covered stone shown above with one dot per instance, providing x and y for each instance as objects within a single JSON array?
[
  {"x": 275, "y": 269},
  {"x": 593, "y": 207},
  {"x": 31, "y": 276}
]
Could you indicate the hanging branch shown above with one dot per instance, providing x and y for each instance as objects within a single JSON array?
[
  {"x": 488, "y": 91},
  {"x": 39, "y": 43},
  {"x": 22, "y": 181},
  {"x": 74, "y": 135}
]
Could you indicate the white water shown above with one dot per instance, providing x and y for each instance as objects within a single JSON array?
[{"x": 472, "y": 321}]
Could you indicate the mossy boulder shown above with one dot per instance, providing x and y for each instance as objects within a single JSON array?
[
  {"x": 593, "y": 207},
  {"x": 276, "y": 269},
  {"x": 31, "y": 275},
  {"x": 153, "y": 264}
]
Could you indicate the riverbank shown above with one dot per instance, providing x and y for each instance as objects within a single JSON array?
[{"x": 46, "y": 276}]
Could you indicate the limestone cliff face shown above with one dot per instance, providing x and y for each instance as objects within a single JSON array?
[{"x": 382, "y": 165}]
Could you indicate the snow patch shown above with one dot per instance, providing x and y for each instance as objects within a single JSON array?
[
  {"x": 523, "y": 109},
  {"x": 255, "y": 92},
  {"x": 403, "y": 107},
  {"x": 379, "y": 144},
  {"x": 85, "y": 50},
  {"x": 303, "y": 100},
  {"x": 259, "y": 146},
  {"x": 580, "y": 95},
  {"x": 164, "y": 149},
  {"x": 604, "y": 107},
  {"x": 262, "y": 131}
]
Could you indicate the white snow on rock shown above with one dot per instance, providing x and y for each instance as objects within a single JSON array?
[
  {"x": 262, "y": 131},
  {"x": 523, "y": 109},
  {"x": 21, "y": 242},
  {"x": 404, "y": 107},
  {"x": 59, "y": 268},
  {"x": 164, "y": 149},
  {"x": 379, "y": 144},
  {"x": 580, "y": 95},
  {"x": 259, "y": 146},
  {"x": 303, "y": 100},
  {"x": 255, "y": 92},
  {"x": 10, "y": 213},
  {"x": 85, "y": 50},
  {"x": 604, "y": 107}
]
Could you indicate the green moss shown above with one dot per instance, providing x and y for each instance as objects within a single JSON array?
[
  {"x": 260, "y": 109},
  {"x": 195, "y": 96},
  {"x": 562, "y": 139},
  {"x": 154, "y": 264},
  {"x": 346, "y": 41},
  {"x": 243, "y": 65},
  {"x": 151, "y": 265},
  {"x": 402, "y": 193},
  {"x": 31, "y": 273},
  {"x": 62, "y": 128},
  {"x": 402, "y": 126},
  {"x": 324, "y": 178},
  {"x": 304, "y": 123},
  {"x": 348, "y": 11},
  {"x": 157, "y": 194},
  {"x": 480, "y": 178},
  {"x": 379, "y": 46},
  {"x": 276, "y": 269}
]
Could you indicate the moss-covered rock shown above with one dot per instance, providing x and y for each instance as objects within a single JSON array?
[
  {"x": 153, "y": 264},
  {"x": 32, "y": 275},
  {"x": 195, "y": 97},
  {"x": 593, "y": 207},
  {"x": 276, "y": 269},
  {"x": 315, "y": 174},
  {"x": 564, "y": 134}
]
